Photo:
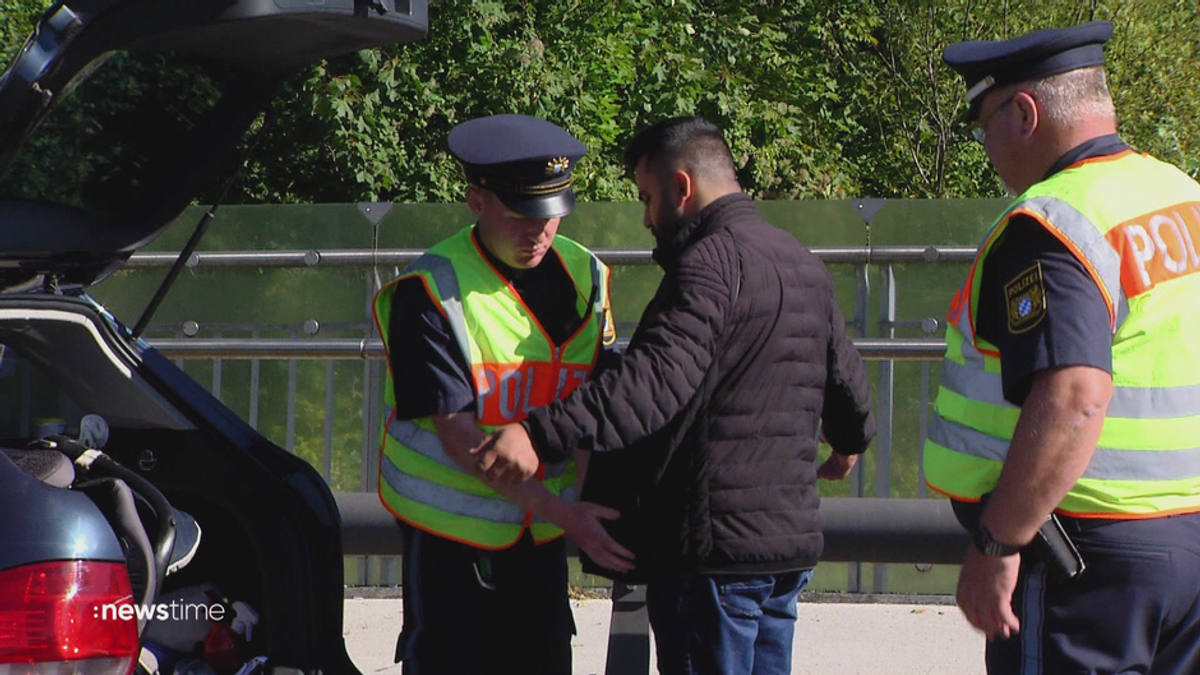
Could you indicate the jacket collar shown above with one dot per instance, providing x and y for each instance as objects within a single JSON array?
[
  {"x": 719, "y": 211},
  {"x": 1100, "y": 146}
]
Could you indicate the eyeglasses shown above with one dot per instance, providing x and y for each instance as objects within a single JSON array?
[{"x": 979, "y": 128}]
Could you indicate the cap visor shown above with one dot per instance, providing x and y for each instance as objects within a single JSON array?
[{"x": 556, "y": 205}]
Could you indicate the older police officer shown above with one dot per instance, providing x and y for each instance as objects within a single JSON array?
[
  {"x": 1071, "y": 385},
  {"x": 488, "y": 324}
]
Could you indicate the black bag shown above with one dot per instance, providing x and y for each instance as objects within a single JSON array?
[{"x": 623, "y": 480}]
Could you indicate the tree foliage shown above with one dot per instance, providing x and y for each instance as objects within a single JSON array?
[
  {"x": 819, "y": 98},
  {"x": 17, "y": 18}
]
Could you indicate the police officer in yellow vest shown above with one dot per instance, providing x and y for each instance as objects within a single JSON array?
[
  {"x": 488, "y": 324},
  {"x": 1071, "y": 385}
]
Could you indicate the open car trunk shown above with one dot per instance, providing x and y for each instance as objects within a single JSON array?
[
  {"x": 113, "y": 118},
  {"x": 118, "y": 113},
  {"x": 270, "y": 527}
]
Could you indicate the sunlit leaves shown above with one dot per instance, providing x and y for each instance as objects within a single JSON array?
[{"x": 818, "y": 98}]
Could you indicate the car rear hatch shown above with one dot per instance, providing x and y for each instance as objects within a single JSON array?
[{"x": 118, "y": 113}]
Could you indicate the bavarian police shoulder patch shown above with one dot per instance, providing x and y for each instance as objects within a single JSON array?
[{"x": 1025, "y": 297}]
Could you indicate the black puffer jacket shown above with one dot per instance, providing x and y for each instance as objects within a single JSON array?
[{"x": 718, "y": 473}]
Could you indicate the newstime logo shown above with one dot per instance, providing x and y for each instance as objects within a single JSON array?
[{"x": 172, "y": 611}]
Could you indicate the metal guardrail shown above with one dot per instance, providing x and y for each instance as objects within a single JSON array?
[
  {"x": 843, "y": 255},
  {"x": 856, "y": 530},
  {"x": 873, "y": 332},
  {"x": 354, "y": 349},
  {"x": 859, "y": 529}
]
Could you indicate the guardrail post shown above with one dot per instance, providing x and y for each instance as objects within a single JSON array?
[
  {"x": 885, "y": 407},
  {"x": 179, "y": 362},
  {"x": 628, "y": 632},
  {"x": 255, "y": 367},
  {"x": 862, "y": 299},
  {"x": 327, "y": 445},
  {"x": 293, "y": 375},
  {"x": 929, "y": 326},
  {"x": 923, "y": 431},
  {"x": 216, "y": 373},
  {"x": 373, "y": 383}
]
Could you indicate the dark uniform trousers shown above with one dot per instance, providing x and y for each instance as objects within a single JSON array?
[
  {"x": 1134, "y": 609},
  {"x": 472, "y": 611}
]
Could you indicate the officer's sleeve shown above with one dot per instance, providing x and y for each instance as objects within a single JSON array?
[
  {"x": 1040, "y": 307},
  {"x": 430, "y": 375}
]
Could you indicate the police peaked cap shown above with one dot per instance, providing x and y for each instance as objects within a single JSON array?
[
  {"x": 1033, "y": 56},
  {"x": 525, "y": 160}
]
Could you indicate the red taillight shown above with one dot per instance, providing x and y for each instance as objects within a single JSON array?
[{"x": 67, "y": 612}]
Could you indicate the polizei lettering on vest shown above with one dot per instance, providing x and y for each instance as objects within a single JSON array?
[
  {"x": 507, "y": 393},
  {"x": 1157, "y": 247}
]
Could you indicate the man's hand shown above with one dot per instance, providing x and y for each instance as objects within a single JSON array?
[
  {"x": 985, "y": 590},
  {"x": 837, "y": 466},
  {"x": 582, "y": 523},
  {"x": 506, "y": 456}
]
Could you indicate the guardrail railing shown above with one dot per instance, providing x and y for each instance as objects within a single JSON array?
[
  {"x": 872, "y": 349},
  {"x": 309, "y": 344},
  {"x": 831, "y": 255}
]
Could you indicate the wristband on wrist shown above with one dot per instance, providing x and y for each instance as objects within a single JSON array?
[{"x": 990, "y": 547}]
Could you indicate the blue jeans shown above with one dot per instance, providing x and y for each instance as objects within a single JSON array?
[{"x": 725, "y": 623}]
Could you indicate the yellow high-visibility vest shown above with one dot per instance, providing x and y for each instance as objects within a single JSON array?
[
  {"x": 1134, "y": 223},
  {"x": 515, "y": 368}
]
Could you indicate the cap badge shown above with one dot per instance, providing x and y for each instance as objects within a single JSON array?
[
  {"x": 980, "y": 87},
  {"x": 557, "y": 166}
]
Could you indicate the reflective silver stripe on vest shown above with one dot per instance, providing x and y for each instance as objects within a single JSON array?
[
  {"x": 421, "y": 441},
  {"x": 1090, "y": 242},
  {"x": 429, "y": 445},
  {"x": 598, "y": 291},
  {"x": 446, "y": 279},
  {"x": 1106, "y": 463},
  {"x": 448, "y": 499},
  {"x": 965, "y": 440},
  {"x": 1127, "y": 402},
  {"x": 970, "y": 353}
]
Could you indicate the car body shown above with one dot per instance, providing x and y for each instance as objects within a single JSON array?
[{"x": 113, "y": 118}]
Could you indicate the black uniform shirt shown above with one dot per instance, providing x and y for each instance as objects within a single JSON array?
[
  {"x": 1070, "y": 327},
  {"x": 430, "y": 373}
]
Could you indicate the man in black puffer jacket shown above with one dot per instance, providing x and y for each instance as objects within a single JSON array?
[{"x": 706, "y": 431}]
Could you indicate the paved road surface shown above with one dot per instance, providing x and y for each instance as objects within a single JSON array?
[{"x": 831, "y": 638}]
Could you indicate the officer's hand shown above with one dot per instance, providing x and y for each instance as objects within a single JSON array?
[
  {"x": 583, "y": 525},
  {"x": 985, "y": 589},
  {"x": 506, "y": 456},
  {"x": 837, "y": 466}
]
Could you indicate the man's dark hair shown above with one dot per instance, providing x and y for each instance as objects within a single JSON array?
[{"x": 690, "y": 143}]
